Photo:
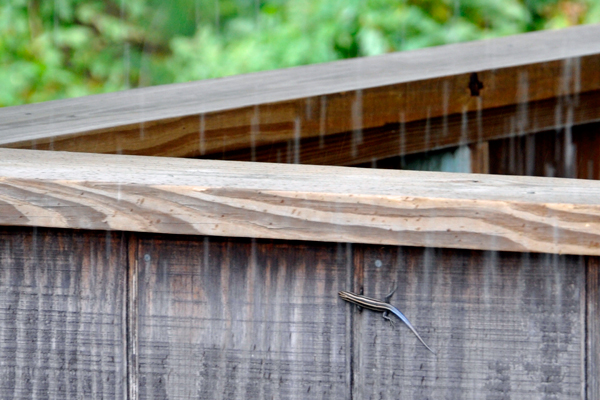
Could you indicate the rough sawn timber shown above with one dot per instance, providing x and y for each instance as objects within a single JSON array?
[
  {"x": 237, "y": 318},
  {"x": 351, "y": 96},
  {"x": 231, "y": 318},
  {"x": 504, "y": 325},
  {"x": 299, "y": 202},
  {"x": 62, "y": 314},
  {"x": 593, "y": 328},
  {"x": 404, "y": 138}
]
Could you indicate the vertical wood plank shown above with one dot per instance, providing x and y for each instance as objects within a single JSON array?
[
  {"x": 132, "y": 318},
  {"x": 224, "y": 318},
  {"x": 593, "y": 329},
  {"x": 357, "y": 357},
  {"x": 586, "y": 140},
  {"x": 572, "y": 152},
  {"x": 480, "y": 157},
  {"x": 504, "y": 325},
  {"x": 62, "y": 328}
]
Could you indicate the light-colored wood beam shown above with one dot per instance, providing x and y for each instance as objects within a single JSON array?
[
  {"x": 299, "y": 202},
  {"x": 239, "y": 112}
]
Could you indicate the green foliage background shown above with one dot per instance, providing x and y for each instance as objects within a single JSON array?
[{"x": 51, "y": 49}]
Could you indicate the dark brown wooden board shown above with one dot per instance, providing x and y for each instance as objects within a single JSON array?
[
  {"x": 413, "y": 137},
  {"x": 480, "y": 157},
  {"x": 504, "y": 325},
  {"x": 62, "y": 324},
  {"x": 568, "y": 153},
  {"x": 223, "y": 318}
]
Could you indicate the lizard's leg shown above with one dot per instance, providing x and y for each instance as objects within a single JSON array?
[
  {"x": 389, "y": 296},
  {"x": 387, "y": 318},
  {"x": 362, "y": 290},
  {"x": 387, "y": 300}
]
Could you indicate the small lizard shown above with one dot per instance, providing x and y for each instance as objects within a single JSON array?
[{"x": 382, "y": 306}]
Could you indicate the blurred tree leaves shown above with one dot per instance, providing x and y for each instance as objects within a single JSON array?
[{"x": 66, "y": 48}]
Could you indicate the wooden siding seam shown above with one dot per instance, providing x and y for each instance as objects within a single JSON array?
[{"x": 132, "y": 317}]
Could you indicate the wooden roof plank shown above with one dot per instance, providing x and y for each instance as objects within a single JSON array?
[{"x": 299, "y": 202}]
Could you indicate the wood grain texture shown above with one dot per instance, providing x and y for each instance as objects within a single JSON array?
[
  {"x": 592, "y": 361},
  {"x": 572, "y": 152},
  {"x": 412, "y": 137},
  {"x": 237, "y": 318},
  {"x": 504, "y": 325},
  {"x": 230, "y": 318},
  {"x": 299, "y": 202},
  {"x": 62, "y": 317},
  {"x": 240, "y": 112}
]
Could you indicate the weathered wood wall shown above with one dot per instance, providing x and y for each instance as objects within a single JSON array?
[
  {"x": 99, "y": 315},
  {"x": 223, "y": 318},
  {"x": 593, "y": 328},
  {"x": 568, "y": 153},
  {"x": 62, "y": 314},
  {"x": 400, "y": 138}
]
